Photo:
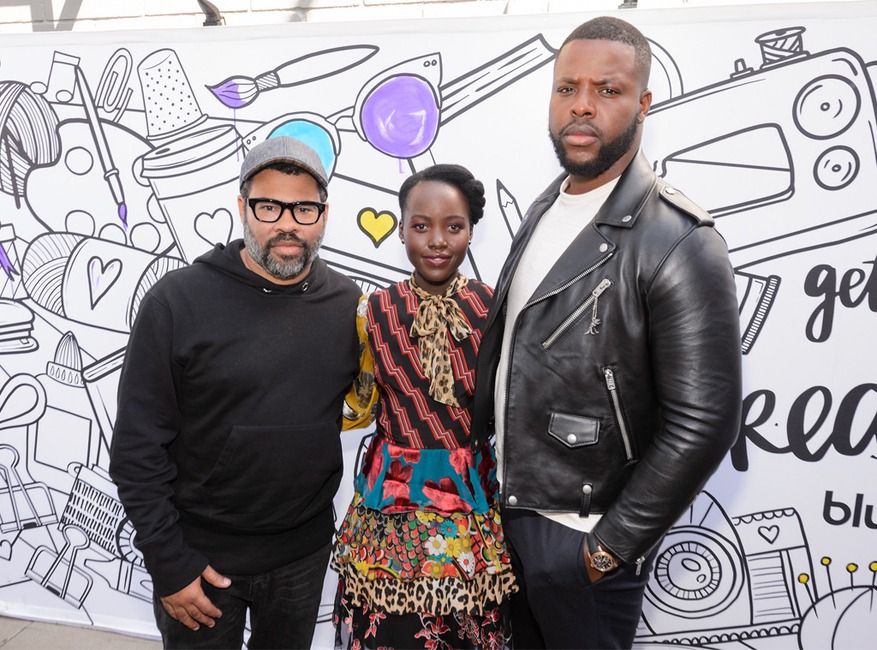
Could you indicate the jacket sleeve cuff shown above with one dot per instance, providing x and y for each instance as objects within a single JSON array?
[
  {"x": 598, "y": 540},
  {"x": 172, "y": 564}
]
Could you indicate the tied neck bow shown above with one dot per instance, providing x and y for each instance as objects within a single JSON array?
[{"x": 437, "y": 317}]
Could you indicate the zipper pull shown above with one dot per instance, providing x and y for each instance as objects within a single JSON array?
[
  {"x": 595, "y": 294},
  {"x": 594, "y": 320},
  {"x": 610, "y": 378},
  {"x": 639, "y": 564}
]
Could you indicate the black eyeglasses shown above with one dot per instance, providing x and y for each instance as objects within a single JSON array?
[{"x": 305, "y": 213}]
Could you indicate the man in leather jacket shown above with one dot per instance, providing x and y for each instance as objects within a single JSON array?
[{"x": 611, "y": 361}]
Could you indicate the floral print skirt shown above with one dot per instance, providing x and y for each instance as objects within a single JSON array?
[{"x": 421, "y": 579}]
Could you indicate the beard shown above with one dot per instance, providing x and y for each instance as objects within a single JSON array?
[
  {"x": 288, "y": 267},
  {"x": 608, "y": 154}
]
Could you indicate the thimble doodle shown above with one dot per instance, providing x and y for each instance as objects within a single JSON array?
[
  {"x": 170, "y": 104},
  {"x": 91, "y": 281}
]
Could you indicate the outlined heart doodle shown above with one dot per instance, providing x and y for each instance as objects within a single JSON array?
[
  {"x": 214, "y": 228},
  {"x": 376, "y": 225},
  {"x": 769, "y": 533},
  {"x": 101, "y": 276}
]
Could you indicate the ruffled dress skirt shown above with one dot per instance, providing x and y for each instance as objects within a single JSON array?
[{"x": 420, "y": 554}]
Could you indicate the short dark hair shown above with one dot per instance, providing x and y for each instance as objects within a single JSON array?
[
  {"x": 455, "y": 175},
  {"x": 614, "y": 29},
  {"x": 285, "y": 168}
]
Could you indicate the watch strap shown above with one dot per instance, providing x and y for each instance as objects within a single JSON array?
[{"x": 593, "y": 544}]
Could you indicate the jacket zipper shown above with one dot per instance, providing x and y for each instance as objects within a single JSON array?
[
  {"x": 642, "y": 558},
  {"x": 588, "y": 270},
  {"x": 619, "y": 415},
  {"x": 573, "y": 317},
  {"x": 508, "y": 377}
]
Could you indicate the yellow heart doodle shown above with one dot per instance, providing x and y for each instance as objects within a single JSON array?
[{"x": 377, "y": 225}]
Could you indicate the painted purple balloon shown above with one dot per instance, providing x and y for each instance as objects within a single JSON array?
[{"x": 400, "y": 117}]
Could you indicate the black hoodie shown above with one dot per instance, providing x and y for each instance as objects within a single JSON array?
[{"x": 226, "y": 446}]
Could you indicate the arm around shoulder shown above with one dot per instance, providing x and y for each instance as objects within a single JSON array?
[{"x": 361, "y": 400}]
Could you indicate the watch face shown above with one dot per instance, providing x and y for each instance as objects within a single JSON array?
[{"x": 602, "y": 561}]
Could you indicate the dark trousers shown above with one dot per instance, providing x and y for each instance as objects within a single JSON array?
[
  {"x": 283, "y": 606},
  {"x": 557, "y": 605}
]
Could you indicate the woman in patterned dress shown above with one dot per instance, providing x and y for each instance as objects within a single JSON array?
[{"x": 420, "y": 554}]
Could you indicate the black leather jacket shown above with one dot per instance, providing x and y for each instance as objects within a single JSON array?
[{"x": 624, "y": 387}]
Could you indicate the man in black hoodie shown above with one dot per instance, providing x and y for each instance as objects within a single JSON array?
[{"x": 226, "y": 448}]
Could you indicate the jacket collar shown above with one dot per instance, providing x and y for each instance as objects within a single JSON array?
[{"x": 621, "y": 209}]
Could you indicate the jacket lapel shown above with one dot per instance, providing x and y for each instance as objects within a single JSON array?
[
  {"x": 621, "y": 209},
  {"x": 594, "y": 245}
]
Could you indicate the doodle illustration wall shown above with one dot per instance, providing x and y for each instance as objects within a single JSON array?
[{"x": 119, "y": 154}]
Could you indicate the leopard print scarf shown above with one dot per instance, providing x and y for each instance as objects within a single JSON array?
[{"x": 437, "y": 317}]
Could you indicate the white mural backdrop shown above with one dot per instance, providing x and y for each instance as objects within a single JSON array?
[{"x": 119, "y": 155}]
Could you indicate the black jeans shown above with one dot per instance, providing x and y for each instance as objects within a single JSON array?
[
  {"x": 283, "y": 605},
  {"x": 557, "y": 605}
]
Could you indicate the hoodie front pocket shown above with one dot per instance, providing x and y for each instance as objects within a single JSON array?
[{"x": 267, "y": 476}]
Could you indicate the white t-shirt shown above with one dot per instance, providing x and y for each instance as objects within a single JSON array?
[{"x": 557, "y": 229}]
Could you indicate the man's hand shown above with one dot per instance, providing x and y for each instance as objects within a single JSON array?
[{"x": 191, "y": 606}]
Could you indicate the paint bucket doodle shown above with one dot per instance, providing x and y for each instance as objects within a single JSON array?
[{"x": 194, "y": 179}]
